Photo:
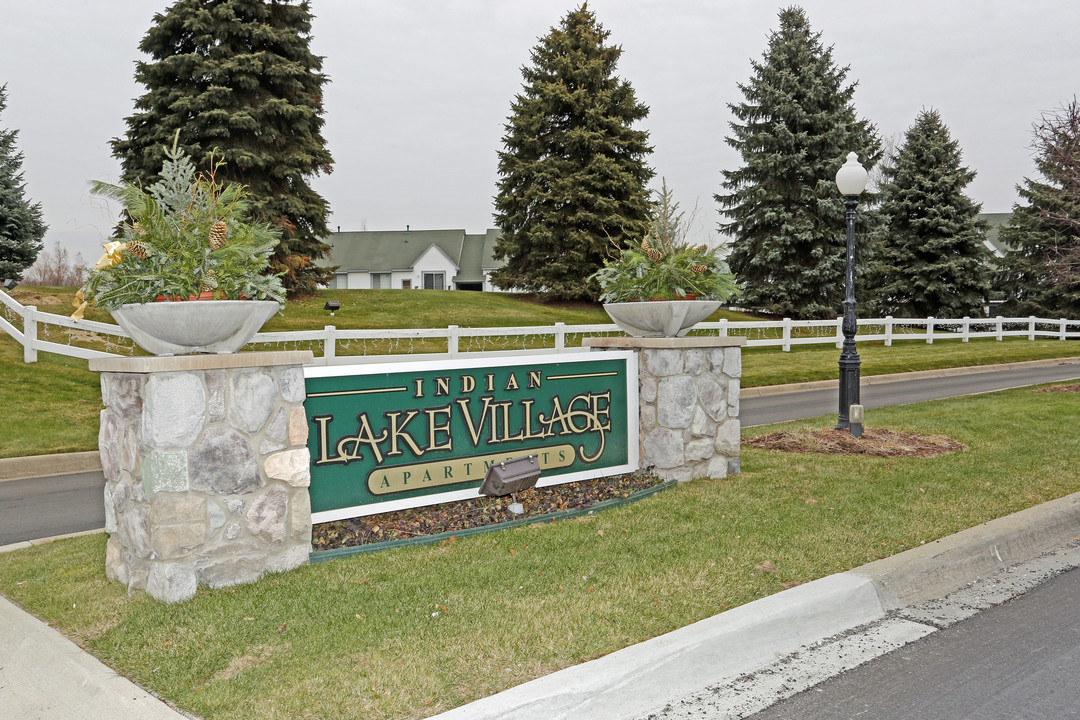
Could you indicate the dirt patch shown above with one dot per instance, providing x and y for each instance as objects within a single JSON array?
[
  {"x": 259, "y": 655},
  {"x": 31, "y": 297},
  {"x": 456, "y": 516},
  {"x": 1071, "y": 388},
  {"x": 874, "y": 442}
]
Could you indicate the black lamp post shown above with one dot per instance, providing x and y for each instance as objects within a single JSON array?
[{"x": 851, "y": 181}]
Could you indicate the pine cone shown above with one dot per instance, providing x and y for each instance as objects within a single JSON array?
[
  {"x": 655, "y": 255},
  {"x": 137, "y": 248},
  {"x": 699, "y": 269},
  {"x": 700, "y": 248},
  {"x": 645, "y": 245},
  {"x": 209, "y": 283},
  {"x": 139, "y": 229},
  {"x": 218, "y": 231}
]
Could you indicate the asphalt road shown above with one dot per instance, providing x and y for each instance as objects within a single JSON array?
[
  {"x": 1016, "y": 661},
  {"x": 810, "y": 403},
  {"x": 44, "y": 507}
]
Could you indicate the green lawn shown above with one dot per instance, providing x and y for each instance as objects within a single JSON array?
[
  {"x": 410, "y": 632},
  {"x": 59, "y": 399}
]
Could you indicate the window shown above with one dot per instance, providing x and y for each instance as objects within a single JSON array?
[
  {"x": 434, "y": 281},
  {"x": 380, "y": 281}
]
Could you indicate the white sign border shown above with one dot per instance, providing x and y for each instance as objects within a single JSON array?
[{"x": 460, "y": 363}]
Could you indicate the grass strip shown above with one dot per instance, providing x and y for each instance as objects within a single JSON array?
[{"x": 415, "y": 630}]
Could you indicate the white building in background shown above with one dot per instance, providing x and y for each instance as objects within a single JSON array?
[{"x": 413, "y": 260}]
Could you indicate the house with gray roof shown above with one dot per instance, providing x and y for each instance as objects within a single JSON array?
[
  {"x": 994, "y": 222},
  {"x": 413, "y": 260}
]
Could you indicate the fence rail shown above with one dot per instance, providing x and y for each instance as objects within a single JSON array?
[{"x": 337, "y": 344}]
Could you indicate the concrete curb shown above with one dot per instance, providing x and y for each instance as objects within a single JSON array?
[
  {"x": 21, "y": 468},
  {"x": 43, "y": 674},
  {"x": 747, "y": 392},
  {"x": 648, "y": 676},
  {"x": 46, "y": 540}
]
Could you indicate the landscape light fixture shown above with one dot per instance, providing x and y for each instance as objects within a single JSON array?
[
  {"x": 9, "y": 284},
  {"x": 332, "y": 306},
  {"x": 510, "y": 477},
  {"x": 851, "y": 181}
]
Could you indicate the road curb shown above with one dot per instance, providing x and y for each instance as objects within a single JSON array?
[
  {"x": 23, "y": 545},
  {"x": 21, "y": 468},
  {"x": 752, "y": 392},
  {"x": 643, "y": 678}
]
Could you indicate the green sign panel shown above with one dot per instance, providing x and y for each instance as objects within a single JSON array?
[{"x": 392, "y": 436}]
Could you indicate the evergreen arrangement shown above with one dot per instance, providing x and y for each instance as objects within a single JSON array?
[
  {"x": 21, "y": 227},
  {"x": 665, "y": 266},
  {"x": 572, "y": 171},
  {"x": 237, "y": 76},
  {"x": 1041, "y": 269},
  {"x": 185, "y": 236},
  {"x": 793, "y": 130},
  {"x": 928, "y": 255}
]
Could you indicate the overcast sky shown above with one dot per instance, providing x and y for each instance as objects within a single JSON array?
[{"x": 420, "y": 90}]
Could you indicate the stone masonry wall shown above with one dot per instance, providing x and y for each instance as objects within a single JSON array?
[
  {"x": 689, "y": 404},
  {"x": 206, "y": 468}
]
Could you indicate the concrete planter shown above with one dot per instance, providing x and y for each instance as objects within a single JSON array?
[
  {"x": 660, "y": 318},
  {"x": 181, "y": 328}
]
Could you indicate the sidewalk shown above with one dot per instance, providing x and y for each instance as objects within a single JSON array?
[{"x": 44, "y": 675}]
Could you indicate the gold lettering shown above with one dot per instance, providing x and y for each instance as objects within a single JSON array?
[
  {"x": 490, "y": 377},
  {"x": 534, "y": 379},
  {"x": 323, "y": 456},
  {"x": 511, "y": 383},
  {"x": 434, "y": 442},
  {"x": 364, "y": 436},
  {"x": 419, "y": 382},
  {"x": 398, "y": 431},
  {"x": 442, "y": 386},
  {"x": 468, "y": 384}
]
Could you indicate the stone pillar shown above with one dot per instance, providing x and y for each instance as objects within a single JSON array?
[
  {"x": 206, "y": 469},
  {"x": 688, "y": 390}
]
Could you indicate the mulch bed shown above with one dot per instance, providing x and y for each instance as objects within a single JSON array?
[
  {"x": 874, "y": 442},
  {"x": 465, "y": 514},
  {"x": 1072, "y": 388}
]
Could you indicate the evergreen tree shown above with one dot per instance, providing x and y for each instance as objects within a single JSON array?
[
  {"x": 794, "y": 130},
  {"x": 572, "y": 172},
  {"x": 1041, "y": 270},
  {"x": 929, "y": 256},
  {"x": 21, "y": 228},
  {"x": 238, "y": 75}
]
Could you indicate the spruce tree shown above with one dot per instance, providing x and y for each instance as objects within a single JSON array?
[
  {"x": 929, "y": 255},
  {"x": 238, "y": 75},
  {"x": 1041, "y": 269},
  {"x": 572, "y": 171},
  {"x": 21, "y": 228},
  {"x": 786, "y": 219}
]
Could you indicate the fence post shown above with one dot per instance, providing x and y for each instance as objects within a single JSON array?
[
  {"x": 723, "y": 327},
  {"x": 840, "y": 332},
  {"x": 787, "y": 335},
  {"x": 1000, "y": 328},
  {"x": 560, "y": 337},
  {"x": 30, "y": 333},
  {"x": 1031, "y": 327},
  {"x": 930, "y": 330},
  {"x": 888, "y": 330},
  {"x": 452, "y": 340},
  {"x": 329, "y": 344},
  {"x": 1061, "y": 329},
  {"x": 967, "y": 328}
]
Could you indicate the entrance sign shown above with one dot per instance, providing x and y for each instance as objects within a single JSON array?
[{"x": 398, "y": 435}]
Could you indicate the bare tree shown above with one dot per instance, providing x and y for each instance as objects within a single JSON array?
[{"x": 54, "y": 268}]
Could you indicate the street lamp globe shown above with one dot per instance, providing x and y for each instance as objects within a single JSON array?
[{"x": 851, "y": 177}]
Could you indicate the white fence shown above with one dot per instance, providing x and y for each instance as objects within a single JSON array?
[{"x": 345, "y": 346}]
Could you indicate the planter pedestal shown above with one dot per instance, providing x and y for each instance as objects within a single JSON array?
[
  {"x": 206, "y": 469},
  {"x": 688, "y": 390}
]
